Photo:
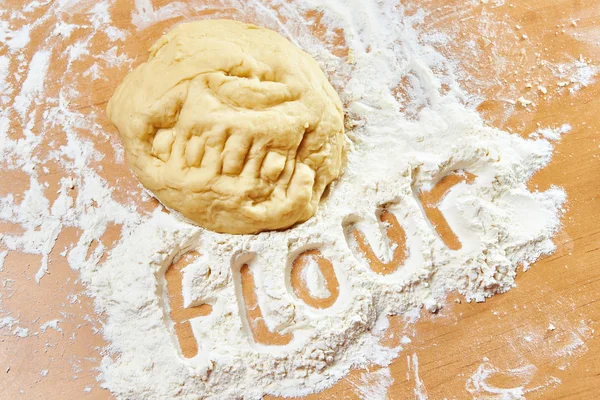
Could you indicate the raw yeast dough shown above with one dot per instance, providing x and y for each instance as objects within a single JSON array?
[{"x": 232, "y": 126}]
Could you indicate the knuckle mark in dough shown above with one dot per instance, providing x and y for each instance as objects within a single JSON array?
[{"x": 232, "y": 126}]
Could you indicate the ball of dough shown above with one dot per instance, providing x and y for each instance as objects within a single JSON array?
[{"x": 232, "y": 126}]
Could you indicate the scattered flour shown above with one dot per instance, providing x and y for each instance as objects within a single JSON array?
[
  {"x": 14, "y": 39},
  {"x": 552, "y": 133},
  {"x": 3, "y": 255},
  {"x": 8, "y": 322},
  {"x": 420, "y": 390},
  {"x": 374, "y": 385},
  {"x": 392, "y": 157},
  {"x": 517, "y": 382},
  {"x": 576, "y": 75},
  {"x": 34, "y": 82},
  {"x": 314, "y": 279},
  {"x": 145, "y": 15},
  {"x": 480, "y": 388},
  {"x": 405, "y": 340},
  {"x": 53, "y": 324},
  {"x": 21, "y": 332}
]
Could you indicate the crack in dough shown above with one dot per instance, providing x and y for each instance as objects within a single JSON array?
[{"x": 232, "y": 126}]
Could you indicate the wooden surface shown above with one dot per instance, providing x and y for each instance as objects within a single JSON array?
[{"x": 545, "y": 326}]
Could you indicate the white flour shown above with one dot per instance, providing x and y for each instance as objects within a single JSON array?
[
  {"x": 393, "y": 154},
  {"x": 419, "y": 390},
  {"x": 478, "y": 386},
  {"x": 314, "y": 280},
  {"x": 576, "y": 75},
  {"x": 550, "y": 133},
  {"x": 374, "y": 385}
]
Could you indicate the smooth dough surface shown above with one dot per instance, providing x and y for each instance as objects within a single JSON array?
[{"x": 232, "y": 126}]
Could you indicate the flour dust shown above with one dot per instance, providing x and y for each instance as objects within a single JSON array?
[{"x": 402, "y": 140}]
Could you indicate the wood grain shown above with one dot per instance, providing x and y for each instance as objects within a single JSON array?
[{"x": 507, "y": 332}]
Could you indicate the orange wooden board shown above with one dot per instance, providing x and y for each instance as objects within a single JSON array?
[{"x": 545, "y": 326}]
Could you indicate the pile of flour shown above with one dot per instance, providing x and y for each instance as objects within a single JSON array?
[{"x": 399, "y": 144}]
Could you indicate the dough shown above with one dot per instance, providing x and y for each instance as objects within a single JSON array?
[{"x": 232, "y": 126}]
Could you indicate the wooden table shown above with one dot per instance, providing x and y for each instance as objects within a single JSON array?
[{"x": 539, "y": 336}]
